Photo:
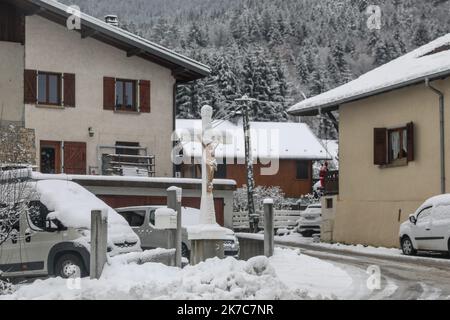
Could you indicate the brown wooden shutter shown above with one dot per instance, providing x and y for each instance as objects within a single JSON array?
[
  {"x": 30, "y": 86},
  {"x": 380, "y": 146},
  {"x": 109, "y": 93},
  {"x": 145, "y": 95},
  {"x": 69, "y": 90},
  {"x": 75, "y": 157},
  {"x": 410, "y": 141}
]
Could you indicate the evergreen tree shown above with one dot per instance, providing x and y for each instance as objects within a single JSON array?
[{"x": 421, "y": 36}]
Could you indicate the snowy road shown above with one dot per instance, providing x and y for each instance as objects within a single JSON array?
[{"x": 414, "y": 279}]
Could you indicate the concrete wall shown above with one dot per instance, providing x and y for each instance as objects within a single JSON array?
[
  {"x": 329, "y": 204},
  {"x": 374, "y": 201},
  {"x": 11, "y": 82},
  {"x": 51, "y": 47}
]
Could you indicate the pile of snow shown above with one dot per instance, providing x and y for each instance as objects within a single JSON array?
[
  {"x": 72, "y": 205},
  {"x": 286, "y": 275}
]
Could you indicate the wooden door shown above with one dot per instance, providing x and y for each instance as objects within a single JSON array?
[
  {"x": 75, "y": 157},
  {"x": 50, "y": 157}
]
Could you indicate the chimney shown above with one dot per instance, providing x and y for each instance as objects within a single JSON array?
[{"x": 112, "y": 20}]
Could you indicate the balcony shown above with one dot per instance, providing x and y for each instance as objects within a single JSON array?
[{"x": 331, "y": 183}]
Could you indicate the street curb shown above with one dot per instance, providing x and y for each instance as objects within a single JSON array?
[{"x": 432, "y": 262}]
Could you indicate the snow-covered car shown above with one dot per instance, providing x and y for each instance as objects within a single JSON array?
[
  {"x": 310, "y": 220},
  {"x": 142, "y": 221},
  {"x": 51, "y": 234},
  {"x": 428, "y": 229}
]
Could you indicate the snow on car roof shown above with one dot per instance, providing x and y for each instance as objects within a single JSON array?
[
  {"x": 72, "y": 204},
  {"x": 431, "y": 60},
  {"x": 443, "y": 199}
]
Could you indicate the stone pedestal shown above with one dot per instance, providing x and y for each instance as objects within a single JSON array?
[
  {"x": 204, "y": 249},
  {"x": 206, "y": 242}
]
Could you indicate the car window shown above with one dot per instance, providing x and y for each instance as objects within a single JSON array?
[
  {"x": 134, "y": 218},
  {"x": 441, "y": 213},
  {"x": 424, "y": 215},
  {"x": 38, "y": 212},
  {"x": 152, "y": 216}
]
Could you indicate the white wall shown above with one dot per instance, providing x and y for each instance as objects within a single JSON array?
[
  {"x": 51, "y": 47},
  {"x": 11, "y": 81}
]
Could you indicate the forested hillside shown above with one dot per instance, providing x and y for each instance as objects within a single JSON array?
[{"x": 277, "y": 51}]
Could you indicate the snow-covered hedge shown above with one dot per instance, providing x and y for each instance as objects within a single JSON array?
[
  {"x": 6, "y": 288},
  {"x": 240, "y": 201}
]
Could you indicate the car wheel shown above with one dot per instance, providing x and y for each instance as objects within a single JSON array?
[
  {"x": 70, "y": 266},
  {"x": 184, "y": 251},
  {"x": 407, "y": 246}
]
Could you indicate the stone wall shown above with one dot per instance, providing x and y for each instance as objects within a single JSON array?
[{"x": 17, "y": 145}]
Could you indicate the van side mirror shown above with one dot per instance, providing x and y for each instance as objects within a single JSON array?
[
  {"x": 412, "y": 219},
  {"x": 54, "y": 225}
]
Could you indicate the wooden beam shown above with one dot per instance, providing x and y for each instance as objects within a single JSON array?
[{"x": 134, "y": 52}]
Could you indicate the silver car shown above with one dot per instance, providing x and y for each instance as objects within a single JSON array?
[{"x": 142, "y": 221}]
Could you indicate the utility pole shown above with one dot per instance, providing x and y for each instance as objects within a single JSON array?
[{"x": 253, "y": 217}]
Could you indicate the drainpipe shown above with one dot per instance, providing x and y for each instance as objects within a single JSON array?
[{"x": 441, "y": 127}]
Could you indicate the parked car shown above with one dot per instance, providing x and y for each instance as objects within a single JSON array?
[
  {"x": 51, "y": 235},
  {"x": 428, "y": 229},
  {"x": 310, "y": 220},
  {"x": 142, "y": 221}
]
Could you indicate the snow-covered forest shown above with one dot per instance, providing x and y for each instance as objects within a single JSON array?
[{"x": 277, "y": 51}]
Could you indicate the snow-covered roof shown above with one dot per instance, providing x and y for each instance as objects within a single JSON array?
[
  {"x": 431, "y": 61},
  {"x": 269, "y": 140},
  {"x": 188, "y": 68}
]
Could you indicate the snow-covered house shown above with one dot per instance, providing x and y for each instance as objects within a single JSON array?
[
  {"x": 283, "y": 153},
  {"x": 99, "y": 99},
  {"x": 392, "y": 142}
]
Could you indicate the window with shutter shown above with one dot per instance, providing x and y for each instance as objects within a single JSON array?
[
  {"x": 109, "y": 93},
  {"x": 410, "y": 141},
  {"x": 69, "y": 90},
  {"x": 49, "y": 88},
  {"x": 145, "y": 96},
  {"x": 30, "y": 86},
  {"x": 394, "y": 146},
  {"x": 380, "y": 146}
]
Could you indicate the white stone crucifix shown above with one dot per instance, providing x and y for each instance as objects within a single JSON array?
[{"x": 209, "y": 139}]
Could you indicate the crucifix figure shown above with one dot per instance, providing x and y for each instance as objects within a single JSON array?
[
  {"x": 209, "y": 167},
  {"x": 211, "y": 164}
]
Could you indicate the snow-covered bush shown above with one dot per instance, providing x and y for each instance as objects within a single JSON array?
[
  {"x": 6, "y": 288},
  {"x": 308, "y": 199},
  {"x": 240, "y": 200},
  {"x": 14, "y": 198}
]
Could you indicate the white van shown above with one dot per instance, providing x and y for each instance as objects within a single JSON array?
[
  {"x": 428, "y": 229},
  {"x": 51, "y": 235}
]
